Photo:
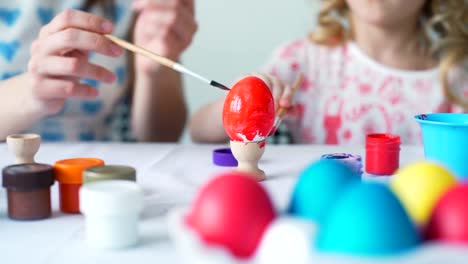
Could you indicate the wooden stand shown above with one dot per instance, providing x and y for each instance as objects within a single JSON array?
[
  {"x": 24, "y": 147},
  {"x": 248, "y": 155}
]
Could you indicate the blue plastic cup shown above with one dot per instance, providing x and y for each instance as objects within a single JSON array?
[{"x": 445, "y": 139}]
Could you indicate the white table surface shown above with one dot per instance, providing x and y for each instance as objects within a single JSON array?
[{"x": 170, "y": 174}]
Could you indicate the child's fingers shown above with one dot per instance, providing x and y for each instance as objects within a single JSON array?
[
  {"x": 71, "y": 39},
  {"x": 70, "y": 66},
  {"x": 276, "y": 86},
  {"x": 47, "y": 89},
  {"x": 277, "y": 89},
  {"x": 286, "y": 99},
  {"x": 77, "y": 19},
  {"x": 270, "y": 82},
  {"x": 265, "y": 78}
]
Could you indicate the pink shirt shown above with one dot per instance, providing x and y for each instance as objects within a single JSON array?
[{"x": 346, "y": 95}]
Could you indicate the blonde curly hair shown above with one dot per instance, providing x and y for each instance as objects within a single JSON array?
[{"x": 444, "y": 31}]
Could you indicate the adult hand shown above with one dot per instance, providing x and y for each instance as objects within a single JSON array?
[
  {"x": 165, "y": 27},
  {"x": 59, "y": 58}
]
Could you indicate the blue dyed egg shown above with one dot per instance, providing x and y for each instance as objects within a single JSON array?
[
  {"x": 367, "y": 219},
  {"x": 318, "y": 187}
]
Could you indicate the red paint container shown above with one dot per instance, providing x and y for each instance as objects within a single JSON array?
[
  {"x": 382, "y": 154},
  {"x": 69, "y": 174},
  {"x": 28, "y": 188}
]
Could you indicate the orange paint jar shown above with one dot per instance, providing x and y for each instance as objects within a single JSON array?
[{"x": 69, "y": 175}]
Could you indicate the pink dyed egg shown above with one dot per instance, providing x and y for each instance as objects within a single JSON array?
[{"x": 449, "y": 219}]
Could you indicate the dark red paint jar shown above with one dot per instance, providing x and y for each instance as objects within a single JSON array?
[
  {"x": 382, "y": 154},
  {"x": 28, "y": 190}
]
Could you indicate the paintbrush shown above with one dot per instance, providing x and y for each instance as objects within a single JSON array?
[
  {"x": 163, "y": 60},
  {"x": 282, "y": 110}
]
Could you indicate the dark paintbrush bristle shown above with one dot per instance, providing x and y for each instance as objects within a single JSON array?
[{"x": 217, "y": 84}]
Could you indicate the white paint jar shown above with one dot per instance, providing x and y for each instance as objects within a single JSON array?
[
  {"x": 112, "y": 210},
  {"x": 287, "y": 240}
]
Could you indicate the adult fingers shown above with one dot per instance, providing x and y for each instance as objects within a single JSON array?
[
  {"x": 48, "y": 88},
  {"x": 72, "y": 38},
  {"x": 70, "y": 66},
  {"x": 185, "y": 26},
  {"x": 77, "y": 19},
  {"x": 190, "y": 4},
  {"x": 140, "y": 5},
  {"x": 167, "y": 21}
]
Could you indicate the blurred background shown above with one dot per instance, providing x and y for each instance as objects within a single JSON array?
[{"x": 236, "y": 37}]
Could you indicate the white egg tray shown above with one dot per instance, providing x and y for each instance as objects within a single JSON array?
[{"x": 289, "y": 240}]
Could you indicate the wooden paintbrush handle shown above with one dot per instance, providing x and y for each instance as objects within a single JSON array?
[
  {"x": 294, "y": 87},
  {"x": 129, "y": 46}
]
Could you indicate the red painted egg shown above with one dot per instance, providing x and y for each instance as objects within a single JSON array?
[
  {"x": 449, "y": 220},
  {"x": 249, "y": 110},
  {"x": 232, "y": 210}
]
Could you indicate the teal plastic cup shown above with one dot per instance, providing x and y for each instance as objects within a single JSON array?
[{"x": 445, "y": 139}]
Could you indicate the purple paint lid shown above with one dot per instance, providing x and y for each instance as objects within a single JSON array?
[
  {"x": 354, "y": 162},
  {"x": 223, "y": 157}
]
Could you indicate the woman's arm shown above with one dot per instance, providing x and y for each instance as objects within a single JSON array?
[
  {"x": 158, "y": 109},
  {"x": 18, "y": 110}
]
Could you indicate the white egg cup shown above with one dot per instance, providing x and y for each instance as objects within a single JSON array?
[
  {"x": 248, "y": 154},
  {"x": 24, "y": 147}
]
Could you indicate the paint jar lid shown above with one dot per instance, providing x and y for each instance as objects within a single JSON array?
[
  {"x": 223, "y": 157},
  {"x": 387, "y": 141},
  {"x": 354, "y": 162},
  {"x": 112, "y": 197},
  {"x": 70, "y": 171},
  {"x": 24, "y": 177},
  {"x": 109, "y": 172}
]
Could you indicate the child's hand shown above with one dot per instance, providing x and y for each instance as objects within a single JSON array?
[
  {"x": 164, "y": 27},
  {"x": 282, "y": 93},
  {"x": 59, "y": 58}
]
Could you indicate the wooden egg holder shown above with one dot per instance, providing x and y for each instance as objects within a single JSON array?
[
  {"x": 24, "y": 147},
  {"x": 248, "y": 155}
]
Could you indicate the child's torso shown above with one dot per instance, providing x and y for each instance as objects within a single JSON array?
[{"x": 346, "y": 95}]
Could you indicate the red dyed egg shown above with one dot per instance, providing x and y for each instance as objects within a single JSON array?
[
  {"x": 232, "y": 210},
  {"x": 249, "y": 110},
  {"x": 449, "y": 220}
]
